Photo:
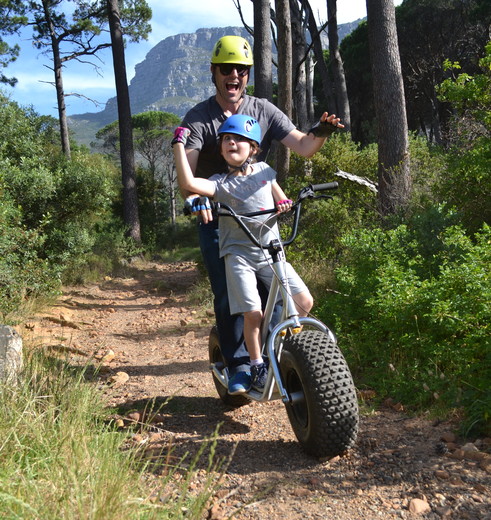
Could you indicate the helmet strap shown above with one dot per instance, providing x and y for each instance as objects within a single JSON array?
[{"x": 241, "y": 168}]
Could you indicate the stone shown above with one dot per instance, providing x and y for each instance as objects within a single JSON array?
[
  {"x": 475, "y": 455},
  {"x": 108, "y": 356},
  {"x": 457, "y": 454},
  {"x": 418, "y": 506},
  {"x": 134, "y": 416},
  {"x": 10, "y": 354},
  {"x": 442, "y": 474},
  {"x": 448, "y": 437},
  {"x": 118, "y": 379},
  {"x": 444, "y": 511},
  {"x": 485, "y": 464}
]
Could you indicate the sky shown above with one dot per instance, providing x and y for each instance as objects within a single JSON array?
[{"x": 34, "y": 87}]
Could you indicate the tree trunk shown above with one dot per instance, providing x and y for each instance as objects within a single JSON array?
[
  {"x": 299, "y": 51},
  {"x": 263, "y": 63},
  {"x": 390, "y": 108},
  {"x": 309, "y": 69},
  {"x": 60, "y": 94},
  {"x": 327, "y": 87},
  {"x": 283, "y": 23},
  {"x": 130, "y": 196},
  {"x": 171, "y": 177},
  {"x": 336, "y": 64}
]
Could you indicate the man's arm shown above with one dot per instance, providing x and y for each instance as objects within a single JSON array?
[{"x": 308, "y": 144}]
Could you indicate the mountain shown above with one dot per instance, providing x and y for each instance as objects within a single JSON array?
[{"x": 173, "y": 77}]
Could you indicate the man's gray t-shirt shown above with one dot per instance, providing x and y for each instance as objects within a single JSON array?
[
  {"x": 206, "y": 117},
  {"x": 246, "y": 194}
]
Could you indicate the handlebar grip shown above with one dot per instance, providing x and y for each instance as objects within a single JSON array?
[{"x": 326, "y": 186}]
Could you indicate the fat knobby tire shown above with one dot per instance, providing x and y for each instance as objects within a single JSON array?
[
  {"x": 324, "y": 416},
  {"x": 215, "y": 356}
]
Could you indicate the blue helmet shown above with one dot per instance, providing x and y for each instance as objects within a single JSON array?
[{"x": 243, "y": 125}]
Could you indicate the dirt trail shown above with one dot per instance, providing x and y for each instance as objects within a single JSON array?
[{"x": 155, "y": 347}]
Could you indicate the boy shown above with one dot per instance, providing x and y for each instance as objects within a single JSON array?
[{"x": 247, "y": 186}]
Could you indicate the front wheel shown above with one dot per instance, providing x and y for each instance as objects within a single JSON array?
[
  {"x": 323, "y": 410},
  {"x": 215, "y": 356}
]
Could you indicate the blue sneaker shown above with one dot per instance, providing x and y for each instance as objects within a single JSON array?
[
  {"x": 239, "y": 383},
  {"x": 259, "y": 374}
]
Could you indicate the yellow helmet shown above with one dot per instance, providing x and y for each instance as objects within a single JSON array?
[{"x": 232, "y": 49}]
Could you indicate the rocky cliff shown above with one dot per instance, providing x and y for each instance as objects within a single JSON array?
[{"x": 173, "y": 77}]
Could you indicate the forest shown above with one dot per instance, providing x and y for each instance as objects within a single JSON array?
[{"x": 403, "y": 276}]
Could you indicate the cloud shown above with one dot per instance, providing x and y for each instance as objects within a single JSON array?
[
  {"x": 27, "y": 82},
  {"x": 79, "y": 82}
]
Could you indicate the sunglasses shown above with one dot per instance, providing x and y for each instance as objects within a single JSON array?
[{"x": 227, "y": 68}]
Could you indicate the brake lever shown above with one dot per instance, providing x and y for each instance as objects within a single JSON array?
[
  {"x": 315, "y": 197},
  {"x": 305, "y": 193}
]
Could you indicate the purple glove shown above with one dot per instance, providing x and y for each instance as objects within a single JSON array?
[{"x": 180, "y": 135}]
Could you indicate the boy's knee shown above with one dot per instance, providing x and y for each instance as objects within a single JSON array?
[
  {"x": 309, "y": 302},
  {"x": 253, "y": 316},
  {"x": 305, "y": 302}
]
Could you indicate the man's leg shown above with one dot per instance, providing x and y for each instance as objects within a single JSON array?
[{"x": 230, "y": 328}]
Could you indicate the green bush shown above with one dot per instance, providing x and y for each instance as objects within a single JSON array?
[
  {"x": 414, "y": 322},
  {"x": 23, "y": 274},
  {"x": 86, "y": 187},
  {"x": 65, "y": 205},
  {"x": 352, "y": 205},
  {"x": 53, "y": 210},
  {"x": 467, "y": 183}
]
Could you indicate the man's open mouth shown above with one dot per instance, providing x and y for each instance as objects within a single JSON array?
[{"x": 232, "y": 86}]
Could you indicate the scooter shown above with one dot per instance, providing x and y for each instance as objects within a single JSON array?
[{"x": 307, "y": 370}]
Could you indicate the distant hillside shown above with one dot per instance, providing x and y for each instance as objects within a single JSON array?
[{"x": 173, "y": 77}]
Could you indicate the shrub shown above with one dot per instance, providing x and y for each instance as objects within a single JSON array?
[
  {"x": 415, "y": 324},
  {"x": 352, "y": 205},
  {"x": 23, "y": 273},
  {"x": 467, "y": 184},
  {"x": 52, "y": 209}
]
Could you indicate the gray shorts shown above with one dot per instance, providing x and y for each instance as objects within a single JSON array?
[{"x": 242, "y": 278}]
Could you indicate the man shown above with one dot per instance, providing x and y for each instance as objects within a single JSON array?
[{"x": 231, "y": 62}]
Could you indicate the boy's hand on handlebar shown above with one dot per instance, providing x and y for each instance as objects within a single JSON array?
[{"x": 284, "y": 205}]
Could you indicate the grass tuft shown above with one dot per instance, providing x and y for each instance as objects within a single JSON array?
[{"x": 62, "y": 458}]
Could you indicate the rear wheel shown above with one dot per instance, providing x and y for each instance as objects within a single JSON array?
[
  {"x": 215, "y": 356},
  {"x": 324, "y": 408}
]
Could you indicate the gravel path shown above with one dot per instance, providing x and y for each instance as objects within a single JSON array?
[{"x": 152, "y": 344}]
